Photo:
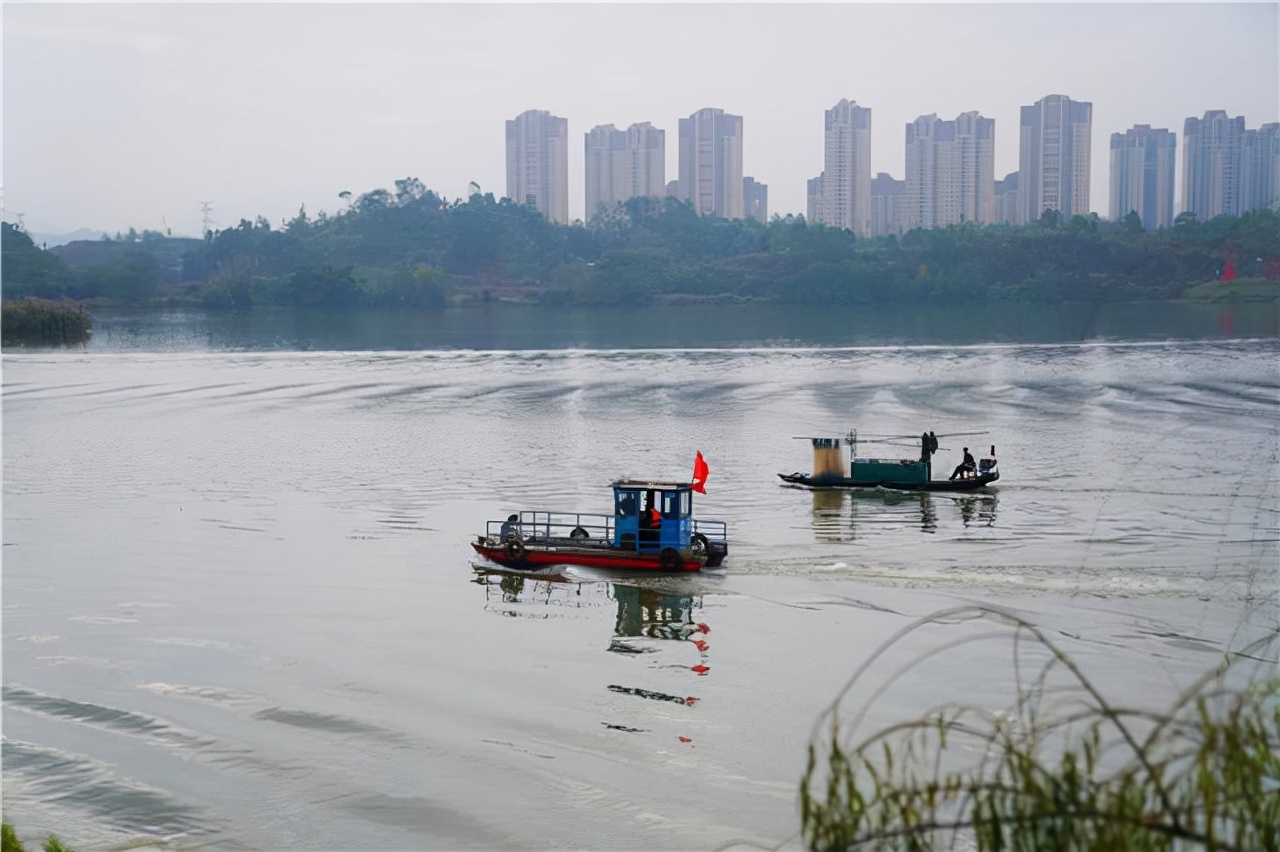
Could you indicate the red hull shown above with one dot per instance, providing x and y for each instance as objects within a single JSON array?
[{"x": 533, "y": 556}]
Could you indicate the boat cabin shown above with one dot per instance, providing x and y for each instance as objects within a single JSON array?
[
  {"x": 828, "y": 463},
  {"x": 652, "y": 515}
]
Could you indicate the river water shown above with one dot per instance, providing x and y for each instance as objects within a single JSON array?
[{"x": 240, "y": 609}]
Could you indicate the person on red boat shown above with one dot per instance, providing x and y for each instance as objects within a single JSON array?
[
  {"x": 650, "y": 520},
  {"x": 651, "y": 514}
]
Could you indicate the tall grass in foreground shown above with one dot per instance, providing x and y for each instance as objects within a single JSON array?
[
  {"x": 40, "y": 322},
  {"x": 9, "y": 841},
  {"x": 1062, "y": 768}
]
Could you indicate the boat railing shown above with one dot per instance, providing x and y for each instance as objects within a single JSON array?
[
  {"x": 555, "y": 526},
  {"x": 584, "y": 527},
  {"x": 713, "y": 530}
]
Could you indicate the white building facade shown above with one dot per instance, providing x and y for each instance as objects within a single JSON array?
[
  {"x": 623, "y": 164},
  {"x": 1054, "y": 158},
  {"x": 1228, "y": 169},
  {"x": 846, "y": 178},
  {"x": 950, "y": 171},
  {"x": 538, "y": 163},
  {"x": 1260, "y": 168},
  {"x": 1143, "y": 162},
  {"x": 711, "y": 163}
]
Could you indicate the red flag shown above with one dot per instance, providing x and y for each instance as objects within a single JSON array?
[{"x": 700, "y": 474}]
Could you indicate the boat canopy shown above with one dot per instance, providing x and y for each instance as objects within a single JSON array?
[{"x": 635, "y": 524}]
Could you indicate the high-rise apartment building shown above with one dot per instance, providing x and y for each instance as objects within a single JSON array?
[
  {"x": 976, "y": 137},
  {"x": 813, "y": 195},
  {"x": 1228, "y": 169},
  {"x": 538, "y": 163},
  {"x": 846, "y": 176},
  {"x": 1260, "y": 168},
  {"x": 888, "y": 196},
  {"x": 623, "y": 164},
  {"x": 755, "y": 199},
  {"x": 711, "y": 162},
  {"x": 1007, "y": 199},
  {"x": 1053, "y": 158},
  {"x": 950, "y": 171},
  {"x": 1143, "y": 161},
  {"x": 1211, "y": 164}
]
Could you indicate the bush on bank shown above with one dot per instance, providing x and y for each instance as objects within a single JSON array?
[{"x": 41, "y": 322}]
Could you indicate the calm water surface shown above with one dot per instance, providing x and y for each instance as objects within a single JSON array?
[
  {"x": 517, "y": 327},
  {"x": 240, "y": 610}
]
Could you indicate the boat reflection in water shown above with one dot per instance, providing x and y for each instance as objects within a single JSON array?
[
  {"x": 651, "y": 614},
  {"x": 849, "y": 515},
  {"x": 642, "y": 613},
  {"x": 978, "y": 509}
]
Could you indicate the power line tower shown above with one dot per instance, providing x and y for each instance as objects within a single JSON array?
[{"x": 206, "y": 208}]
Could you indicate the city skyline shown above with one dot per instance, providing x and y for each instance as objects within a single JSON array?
[{"x": 132, "y": 115}]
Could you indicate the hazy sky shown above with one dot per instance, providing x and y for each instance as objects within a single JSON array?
[{"x": 119, "y": 115}]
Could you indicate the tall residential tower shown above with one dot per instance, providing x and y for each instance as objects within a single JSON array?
[
  {"x": 950, "y": 171},
  {"x": 1142, "y": 166},
  {"x": 1053, "y": 158},
  {"x": 755, "y": 199},
  {"x": 711, "y": 163},
  {"x": 1228, "y": 169},
  {"x": 846, "y": 176},
  {"x": 624, "y": 164},
  {"x": 1260, "y": 168},
  {"x": 538, "y": 163}
]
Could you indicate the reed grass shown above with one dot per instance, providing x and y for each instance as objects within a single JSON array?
[
  {"x": 1062, "y": 768},
  {"x": 41, "y": 322},
  {"x": 9, "y": 841}
]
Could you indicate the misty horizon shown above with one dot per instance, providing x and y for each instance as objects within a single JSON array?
[{"x": 216, "y": 103}]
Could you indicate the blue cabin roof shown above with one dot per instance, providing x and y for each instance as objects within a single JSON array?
[
  {"x": 647, "y": 485},
  {"x": 632, "y": 500}
]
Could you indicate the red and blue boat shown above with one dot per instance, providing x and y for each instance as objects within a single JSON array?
[{"x": 651, "y": 528}]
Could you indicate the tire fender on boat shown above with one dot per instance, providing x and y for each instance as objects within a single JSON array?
[
  {"x": 669, "y": 559},
  {"x": 699, "y": 542},
  {"x": 515, "y": 550},
  {"x": 579, "y": 533}
]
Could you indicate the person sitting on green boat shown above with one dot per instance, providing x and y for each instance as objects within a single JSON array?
[{"x": 966, "y": 468}]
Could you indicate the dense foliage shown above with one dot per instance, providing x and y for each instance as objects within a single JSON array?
[
  {"x": 107, "y": 269},
  {"x": 40, "y": 322},
  {"x": 1061, "y": 768},
  {"x": 412, "y": 248}
]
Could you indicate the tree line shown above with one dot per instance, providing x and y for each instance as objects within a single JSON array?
[{"x": 410, "y": 247}]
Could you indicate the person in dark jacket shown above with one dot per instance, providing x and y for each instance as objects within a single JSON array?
[
  {"x": 966, "y": 467},
  {"x": 928, "y": 446}
]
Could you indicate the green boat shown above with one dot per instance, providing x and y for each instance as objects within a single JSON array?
[{"x": 898, "y": 474}]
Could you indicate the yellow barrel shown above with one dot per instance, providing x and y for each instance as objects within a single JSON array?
[{"x": 827, "y": 458}]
